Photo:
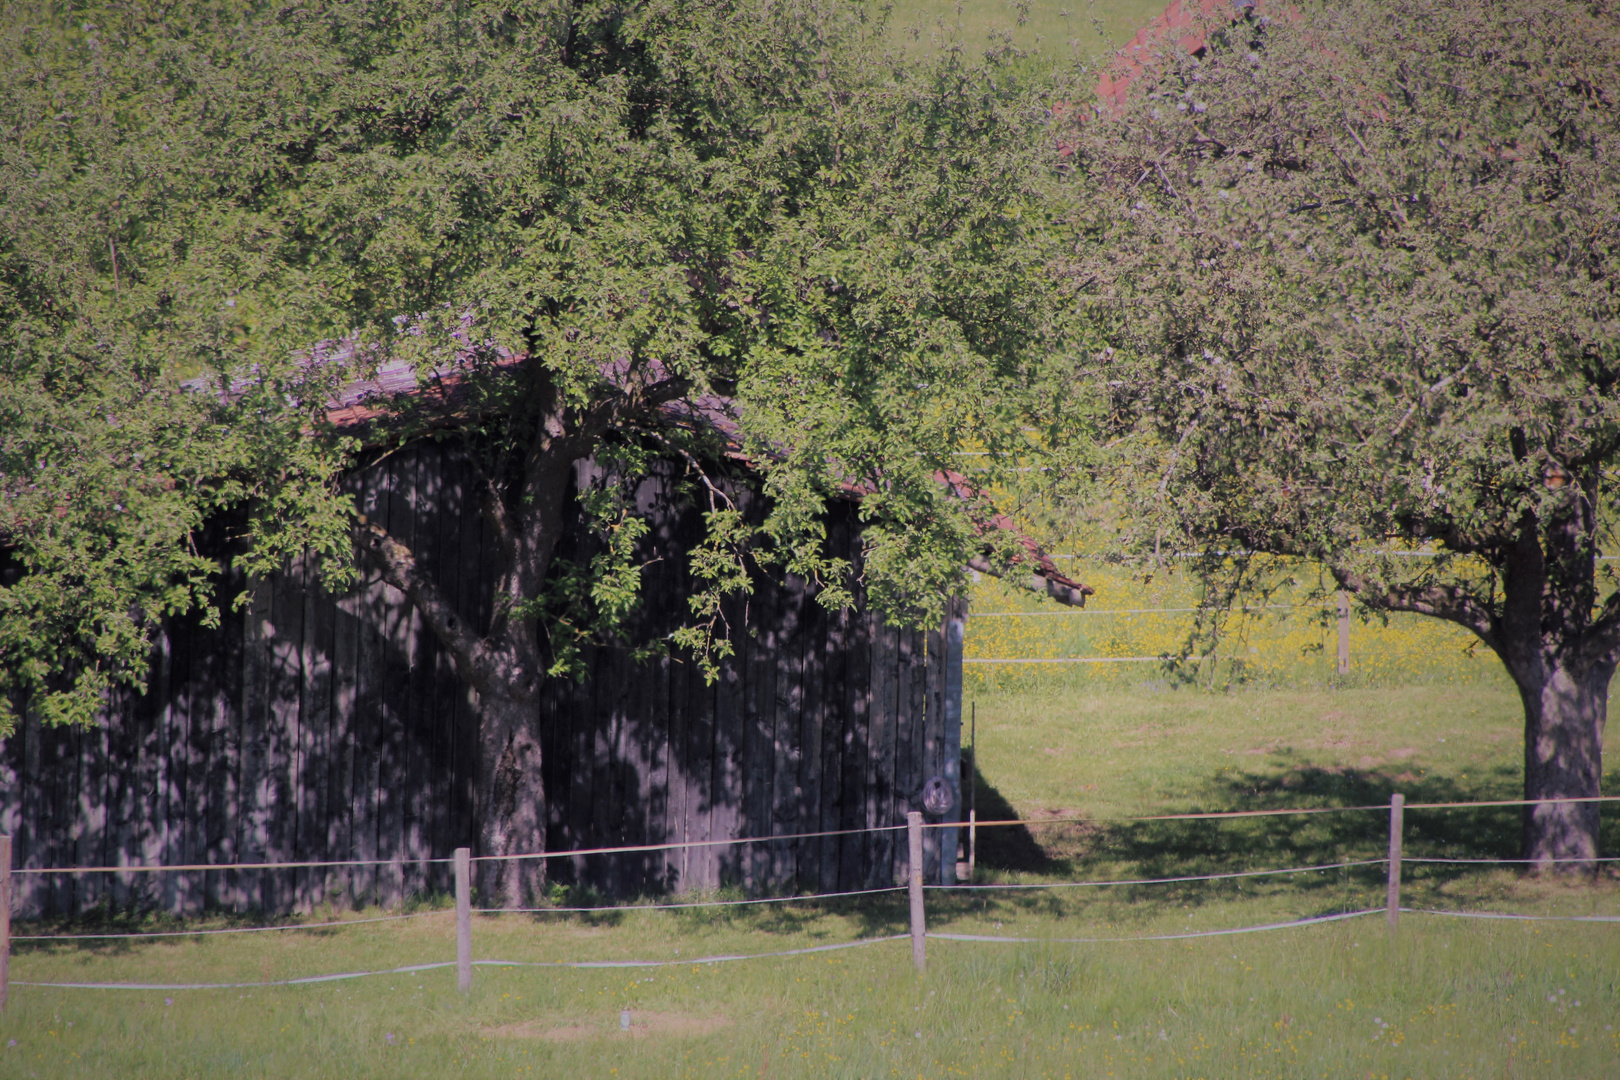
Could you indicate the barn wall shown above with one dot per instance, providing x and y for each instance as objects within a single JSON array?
[{"x": 309, "y": 726}]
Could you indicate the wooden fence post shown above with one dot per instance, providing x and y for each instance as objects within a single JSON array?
[
  {"x": 973, "y": 788},
  {"x": 919, "y": 956},
  {"x": 1344, "y": 633},
  {"x": 463, "y": 919},
  {"x": 5, "y": 920},
  {"x": 1392, "y": 899},
  {"x": 973, "y": 840}
]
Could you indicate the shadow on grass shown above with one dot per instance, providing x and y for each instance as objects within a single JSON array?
[
  {"x": 1356, "y": 829},
  {"x": 1003, "y": 847},
  {"x": 82, "y": 932}
]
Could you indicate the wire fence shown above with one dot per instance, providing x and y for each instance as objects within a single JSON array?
[{"x": 918, "y": 934}]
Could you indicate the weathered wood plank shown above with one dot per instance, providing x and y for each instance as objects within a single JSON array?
[
  {"x": 152, "y": 767},
  {"x": 702, "y": 867},
  {"x": 253, "y": 825},
  {"x": 447, "y": 505},
  {"x": 194, "y": 686},
  {"x": 812, "y": 679},
  {"x": 922, "y": 758},
  {"x": 91, "y": 813},
  {"x": 342, "y": 762},
  {"x": 759, "y": 688},
  {"x": 579, "y": 703},
  {"x": 315, "y": 734},
  {"x": 396, "y": 617},
  {"x": 622, "y": 783},
  {"x": 647, "y": 732},
  {"x": 787, "y": 710},
  {"x": 13, "y": 777},
  {"x": 171, "y": 795},
  {"x": 224, "y": 756},
  {"x": 656, "y": 799},
  {"x": 678, "y": 773},
  {"x": 171, "y": 681},
  {"x": 726, "y": 784},
  {"x": 476, "y": 589},
  {"x": 63, "y": 752},
  {"x": 596, "y": 753},
  {"x": 834, "y": 720},
  {"x": 906, "y": 770},
  {"x": 370, "y": 673},
  {"x": 29, "y": 847},
  {"x": 855, "y": 857},
  {"x": 284, "y": 702},
  {"x": 417, "y": 729}
]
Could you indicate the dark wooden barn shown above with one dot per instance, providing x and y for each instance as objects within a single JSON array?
[{"x": 318, "y": 727}]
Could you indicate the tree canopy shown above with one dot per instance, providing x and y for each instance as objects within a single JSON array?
[
  {"x": 584, "y": 214},
  {"x": 1360, "y": 263}
]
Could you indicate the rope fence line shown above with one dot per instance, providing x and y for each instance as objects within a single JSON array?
[
  {"x": 1210, "y": 815},
  {"x": 413, "y": 968},
  {"x": 1142, "y": 611},
  {"x": 1291, "y": 924},
  {"x": 226, "y": 930},
  {"x": 684, "y": 844},
  {"x": 148, "y": 868},
  {"x": 1503, "y": 915},
  {"x": 807, "y": 950},
  {"x": 1217, "y": 814},
  {"x": 918, "y": 934},
  {"x": 720, "y": 959},
  {"x": 1083, "y": 659},
  {"x": 1494, "y": 862},
  {"x": 807, "y": 898},
  {"x": 1158, "y": 881},
  {"x": 1515, "y": 802},
  {"x": 693, "y": 904},
  {"x": 570, "y": 853}
]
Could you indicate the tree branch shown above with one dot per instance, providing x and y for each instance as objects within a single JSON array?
[
  {"x": 1068, "y": 595},
  {"x": 1447, "y": 602},
  {"x": 1603, "y": 640},
  {"x": 397, "y": 565}
]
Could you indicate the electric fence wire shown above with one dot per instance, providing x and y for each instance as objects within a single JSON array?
[{"x": 1158, "y": 881}]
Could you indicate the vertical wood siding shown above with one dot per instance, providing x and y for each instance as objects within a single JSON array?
[{"x": 309, "y": 726}]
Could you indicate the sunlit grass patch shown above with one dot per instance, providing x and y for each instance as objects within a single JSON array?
[{"x": 1339, "y": 1000}]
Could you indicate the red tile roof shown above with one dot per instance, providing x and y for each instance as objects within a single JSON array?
[{"x": 1184, "y": 25}]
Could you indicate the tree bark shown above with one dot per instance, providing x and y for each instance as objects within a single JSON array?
[
  {"x": 504, "y": 665},
  {"x": 1564, "y": 712},
  {"x": 1560, "y": 646},
  {"x": 512, "y": 810}
]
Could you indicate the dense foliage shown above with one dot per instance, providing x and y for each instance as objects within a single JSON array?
[
  {"x": 581, "y": 222},
  {"x": 1361, "y": 264}
]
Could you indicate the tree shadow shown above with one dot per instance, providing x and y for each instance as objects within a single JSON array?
[
  {"x": 84, "y": 932},
  {"x": 1349, "y": 823},
  {"x": 1003, "y": 847}
]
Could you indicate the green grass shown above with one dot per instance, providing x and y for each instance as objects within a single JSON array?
[
  {"x": 1062, "y": 30},
  {"x": 1474, "y": 1000},
  {"x": 1460, "y": 998},
  {"x": 1135, "y": 751}
]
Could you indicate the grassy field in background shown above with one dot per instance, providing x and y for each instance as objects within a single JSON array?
[
  {"x": 1454, "y": 998},
  {"x": 1289, "y": 643},
  {"x": 1061, "y": 30}
]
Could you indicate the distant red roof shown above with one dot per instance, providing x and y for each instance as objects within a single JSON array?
[{"x": 1185, "y": 25}]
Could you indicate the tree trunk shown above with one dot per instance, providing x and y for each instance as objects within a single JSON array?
[
  {"x": 512, "y": 820},
  {"x": 1564, "y": 712}
]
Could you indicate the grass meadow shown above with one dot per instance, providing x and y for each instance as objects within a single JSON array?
[
  {"x": 1271, "y": 725},
  {"x": 1446, "y": 998},
  {"x": 1058, "y": 29}
]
